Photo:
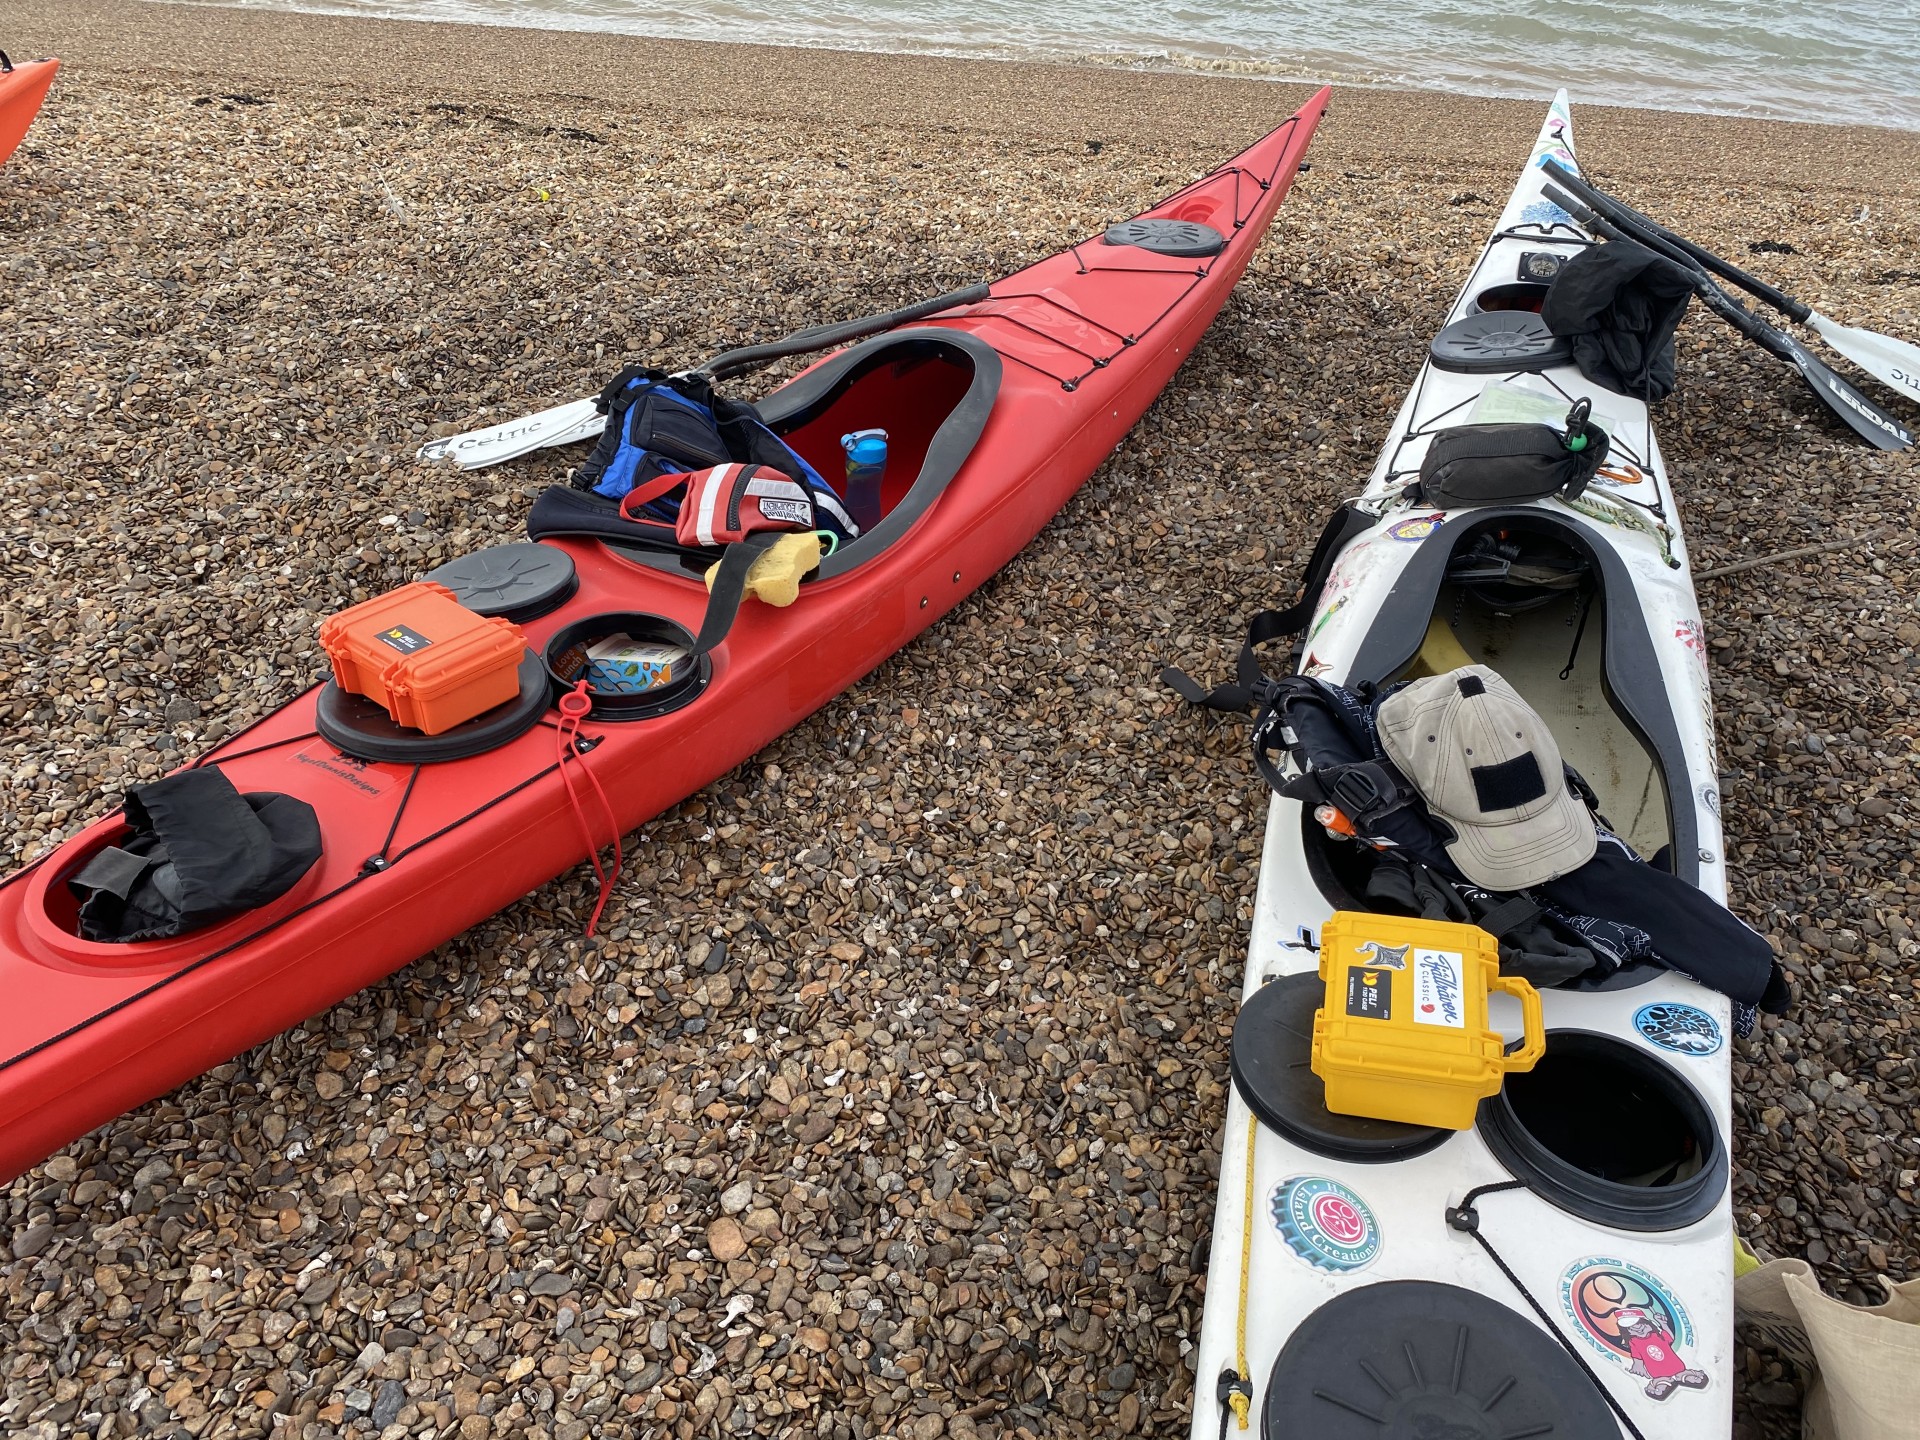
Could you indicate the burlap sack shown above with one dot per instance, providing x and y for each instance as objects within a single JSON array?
[{"x": 1862, "y": 1362}]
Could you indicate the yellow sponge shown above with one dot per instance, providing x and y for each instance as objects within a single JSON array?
[{"x": 776, "y": 575}]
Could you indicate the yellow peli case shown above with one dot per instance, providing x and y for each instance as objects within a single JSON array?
[{"x": 1403, "y": 1032}]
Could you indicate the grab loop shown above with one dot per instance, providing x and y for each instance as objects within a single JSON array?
[{"x": 574, "y": 707}]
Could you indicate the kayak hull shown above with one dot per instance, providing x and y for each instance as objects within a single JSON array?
[
  {"x": 1083, "y": 342},
  {"x": 1308, "y": 1226},
  {"x": 22, "y": 89}
]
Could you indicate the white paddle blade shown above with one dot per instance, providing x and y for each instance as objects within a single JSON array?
[
  {"x": 1894, "y": 361},
  {"x": 477, "y": 449}
]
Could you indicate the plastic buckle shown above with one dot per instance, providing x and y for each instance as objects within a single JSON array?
[
  {"x": 1463, "y": 1218},
  {"x": 1356, "y": 792}
]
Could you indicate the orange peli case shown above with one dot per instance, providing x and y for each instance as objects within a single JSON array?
[{"x": 421, "y": 654}]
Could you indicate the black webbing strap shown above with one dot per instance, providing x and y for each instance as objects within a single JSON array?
[
  {"x": 1507, "y": 915},
  {"x": 1343, "y": 525},
  {"x": 730, "y": 587}
]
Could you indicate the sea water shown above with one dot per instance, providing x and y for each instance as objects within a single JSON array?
[{"x": 1845, "y": 61}]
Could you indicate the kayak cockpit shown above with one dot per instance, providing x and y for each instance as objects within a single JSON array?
[
  {"x": 1560, "y": 619},
  {"x": 931, "y": 389},
  {"x": 1551, "y": 607}
]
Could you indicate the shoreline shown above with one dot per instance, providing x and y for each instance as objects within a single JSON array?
[
  {"x": 732, "y": 78},
  {"x": 254, "y": 260},
  {"x": 1191, "y": 64}
]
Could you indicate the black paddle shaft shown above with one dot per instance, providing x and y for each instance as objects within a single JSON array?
[
  {"x": 820, "y": 337},
  {"x": 1615, "y": 209},
  {"x": 1867, "y": 419}
]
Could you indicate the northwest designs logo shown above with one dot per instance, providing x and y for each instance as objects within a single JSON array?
[{"x": 1683, "y": 1029}]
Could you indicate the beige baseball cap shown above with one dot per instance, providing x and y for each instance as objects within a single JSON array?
[{"x": 1487, "y": 764}]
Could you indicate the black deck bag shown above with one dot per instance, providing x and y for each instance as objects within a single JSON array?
[
  {"x": 1619, "y": 304},
  {"x": 1469, "y": 465},
  {"x": 200, "y": 852}
]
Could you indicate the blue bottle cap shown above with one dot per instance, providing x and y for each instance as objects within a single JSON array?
[{"x": 865, "y": 447}]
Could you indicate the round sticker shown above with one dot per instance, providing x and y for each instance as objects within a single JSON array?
[
  {"x": 1683, "y": 1029},
  {"x": 1325, "y": 1224},
  {"x": 1633, "y": 1318},
  {"x": 1418, "y": 528}
]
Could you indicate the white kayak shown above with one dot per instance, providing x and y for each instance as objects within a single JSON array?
[{"x": 1589, "y": 1294}]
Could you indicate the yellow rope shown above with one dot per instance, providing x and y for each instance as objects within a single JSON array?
[{"x": 1242, "y": 1400}]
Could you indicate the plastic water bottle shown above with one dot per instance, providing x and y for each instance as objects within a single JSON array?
[{"x": 866, "y": 467}]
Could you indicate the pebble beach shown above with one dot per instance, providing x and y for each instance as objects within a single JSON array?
[{"x": 886, "y": 1101}]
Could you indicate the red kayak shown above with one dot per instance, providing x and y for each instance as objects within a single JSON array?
[
  {"x": 22, "y": 88},
  {"x": 997, "y": 409}
]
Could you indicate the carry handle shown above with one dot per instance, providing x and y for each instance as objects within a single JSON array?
[{"x": 1532, "y": 1019}]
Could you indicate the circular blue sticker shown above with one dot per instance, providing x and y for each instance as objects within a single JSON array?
[
  {"x": 1684, "y": 1029},
  {"x": 1325, "y": 1223}
]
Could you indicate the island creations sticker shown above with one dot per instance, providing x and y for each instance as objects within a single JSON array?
[{"x": 1325, "y": 1224}]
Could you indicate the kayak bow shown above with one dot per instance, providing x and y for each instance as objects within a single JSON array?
[{"x": 22, "y": 88}]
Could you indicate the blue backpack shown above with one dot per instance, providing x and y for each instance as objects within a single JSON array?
[{"x": 657, "y": 426}]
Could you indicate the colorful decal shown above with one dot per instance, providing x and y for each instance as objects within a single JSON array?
[
  {"x": 1556, "y": 152},
  {"x": 1315, "y": 667},
  {"x": 1326, "y": 615},
  {"x": 1693, "y": 637},
  {"x": 1683, "y": 1029},
  {"x": 1633, "y": 1318},
  {"x": 1348, "y": 567},
  {"x": 1546, "y": 213},
  {"x": 1325, "y": 1224},
  {"x": 1384, "y": 957},
  {"x": 1438, "y": 989},
  {"x": 1418, "y": 528}
]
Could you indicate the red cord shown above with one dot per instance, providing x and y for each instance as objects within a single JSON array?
[{"x": 575, "y": 707}]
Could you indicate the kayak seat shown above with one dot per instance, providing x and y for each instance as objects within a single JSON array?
[
  {"x": 1440, "y": 652},
  {"x": 930, "y": 388}
]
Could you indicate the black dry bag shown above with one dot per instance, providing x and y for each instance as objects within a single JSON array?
[
  {"x": 1471, "y": 465},
  {"x": 200, "y": 852}
]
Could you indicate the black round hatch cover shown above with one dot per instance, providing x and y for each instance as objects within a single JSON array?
[
  {"x": 1418, "y": 1360},
  {"x": 1499, "y": 340},
  {"x": 362, "y": 728},
  {"x": 521, "y": 582},
  {"x": 1187, "y": 239},
  {"x": 1272, "y": 1048}
]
